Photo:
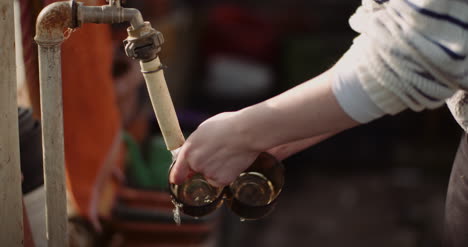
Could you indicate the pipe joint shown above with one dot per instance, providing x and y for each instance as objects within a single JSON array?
[
  {"x": 58, "y": 16},
  {"x": 143, "y": 43},
  {"x": 51, "y": 23},
  {"x": 109, "y": 14}
]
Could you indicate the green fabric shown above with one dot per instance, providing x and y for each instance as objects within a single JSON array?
[
  {"x": 150, "y": 173},
  {"x": 159, "y": 160},
  {"x": 137, "y": 171}
]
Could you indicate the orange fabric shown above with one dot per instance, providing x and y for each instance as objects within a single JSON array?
[{"x": 91, "y": 117}]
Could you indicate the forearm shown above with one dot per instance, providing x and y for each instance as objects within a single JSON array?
[
  {"x": 284, "y": 151},
  {"x": 307, "y": 110}
]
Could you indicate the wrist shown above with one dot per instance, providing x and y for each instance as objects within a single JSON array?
[
  {"x": 255, "y": 127},
  {"x": 244, "y": 131}
]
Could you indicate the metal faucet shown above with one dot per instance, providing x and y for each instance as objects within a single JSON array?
[{"x": 143, "y": 43}]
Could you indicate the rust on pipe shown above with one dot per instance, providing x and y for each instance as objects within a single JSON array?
[
  {"x": 56, "y": 17},
  {"x": 51, "y": 23},
  {"x": 50, "y": 26}
]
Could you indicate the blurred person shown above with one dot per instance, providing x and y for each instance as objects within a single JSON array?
[{"x": 410, "y": 54}]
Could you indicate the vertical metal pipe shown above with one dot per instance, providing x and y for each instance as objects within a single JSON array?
[
  {"x": 11, "y": 213},
  {"x": 49, "y": 36},
  {"x": 52, "y": 144},
  {"x": 50, "y": 24}
]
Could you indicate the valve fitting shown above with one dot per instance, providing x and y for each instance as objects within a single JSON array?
[{"x": 143, "y": 43}]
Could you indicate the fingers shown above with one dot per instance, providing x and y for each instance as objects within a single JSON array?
[
  {"x": 232, "y": 167},
  {"x": 218, "y": 170},
  {"x": 212, "y": 151},
  {"x": 215, "y": 183},
  {"x": 180, "y": 171}
]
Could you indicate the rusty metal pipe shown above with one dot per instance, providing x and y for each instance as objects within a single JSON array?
[
  {"x": 109, "y": 14},
  {"x": 54, "y": 18},
  {"x": 53, "y": 143},
  {"x": 50, "y": 26},
  {"x": 51, "y": 22}
]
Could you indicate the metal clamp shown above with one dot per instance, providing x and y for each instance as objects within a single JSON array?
[
  {"x": 143, "y": 43},
  {"x": 74, "y": 16},
  {"x": 161, "y": 67}
]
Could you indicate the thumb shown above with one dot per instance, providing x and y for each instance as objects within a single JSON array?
[{"x": 180, "y": 171}]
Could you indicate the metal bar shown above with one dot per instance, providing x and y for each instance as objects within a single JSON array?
[
  {"x": 50, "y": 24},
  {"x": 11, "y": 213},
  {"x": 49, "y": 36},
  {"x": 52, "y": 144}
]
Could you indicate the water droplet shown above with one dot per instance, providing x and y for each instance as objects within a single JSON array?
[{"x": 176, "y": 212}]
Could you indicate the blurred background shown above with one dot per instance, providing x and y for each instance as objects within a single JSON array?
[{"x": 382, "y": 184}]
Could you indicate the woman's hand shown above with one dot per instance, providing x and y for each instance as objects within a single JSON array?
[
  {"x": 220, "y": 149},
  {"x": 226, "y": 144}
]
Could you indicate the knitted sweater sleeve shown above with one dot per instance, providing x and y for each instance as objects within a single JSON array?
[{"x": 410, "y": 53}]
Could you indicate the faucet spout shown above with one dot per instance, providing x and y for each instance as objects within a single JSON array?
[
  {"x": 109, "y": 14},
  {"x": 58, "y": 16},
  {"x": 50, "y": 26},
  {"x": 134, "y": 17}
]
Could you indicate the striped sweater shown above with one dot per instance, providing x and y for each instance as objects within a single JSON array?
[{"x": 411, "y": 54}]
